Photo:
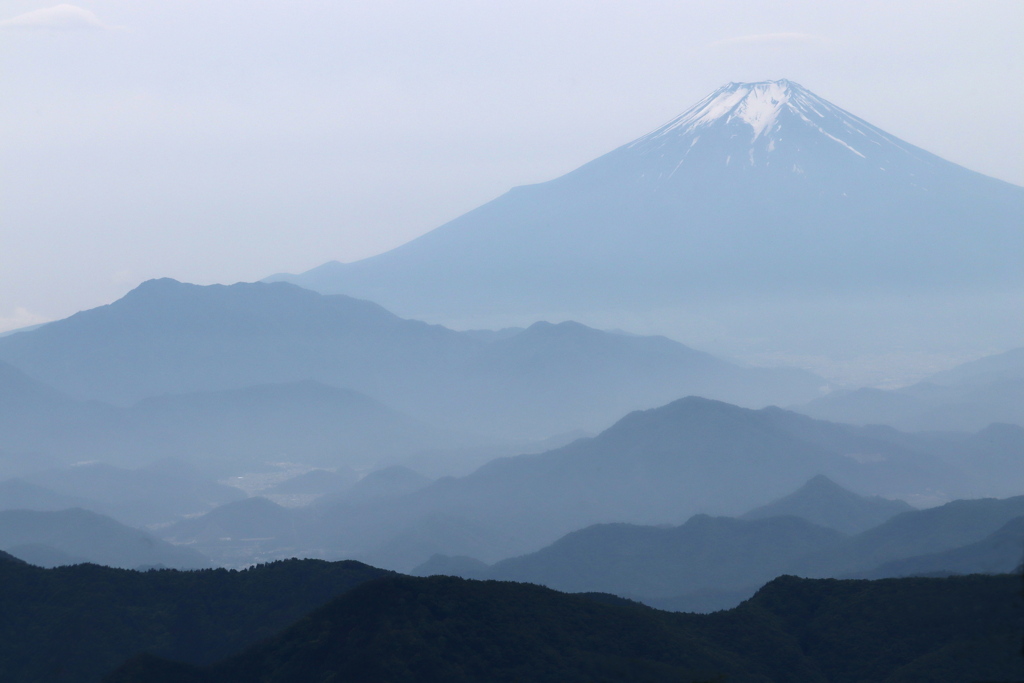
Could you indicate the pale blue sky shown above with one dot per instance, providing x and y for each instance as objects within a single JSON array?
[{"x": 222, "y": 140}]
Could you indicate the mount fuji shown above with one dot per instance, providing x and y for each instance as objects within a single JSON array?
[{"x": 763, "y": 215}]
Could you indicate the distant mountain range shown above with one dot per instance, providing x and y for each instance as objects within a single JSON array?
[
  {"x": 764, "y": 220},
  {"x": 659, "y": 466},
  {"x": 157, "y": 493},
  {"x": 964, "y": 398},
  {"x": 245, "y": 532},
  {"x": 228, "y": 430},
  {"x": 1002, "y": 551},
  {"x": 715, "y": 562},
  {"x": 764, "y": 217},
  {"x": 648, "y": 563},
  {"x": 74, "y": 536},
  {"x": 18, "y": 494},
  {"x": 911, "y": 534},
  {"x": 823, "y": 502},
  {"x": 167, "y": 338}
]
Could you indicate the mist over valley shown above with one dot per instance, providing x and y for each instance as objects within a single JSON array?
[{"x": 685, "y": 383}]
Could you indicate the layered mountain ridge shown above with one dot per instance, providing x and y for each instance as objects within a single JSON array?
[{"x": 167, "y": 337}]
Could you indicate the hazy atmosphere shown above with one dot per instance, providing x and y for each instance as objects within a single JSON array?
[
  {"x": 639, "y": 342},
  {"x": 226, "y": 141}
]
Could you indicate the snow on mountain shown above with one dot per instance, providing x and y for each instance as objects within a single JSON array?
[
  {"x": 756, "y": 104},
  {"x": 780, "y": 124},
  {"x": 763, "y": 216}
]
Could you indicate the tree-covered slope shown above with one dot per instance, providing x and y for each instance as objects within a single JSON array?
[
  {"x": 793, "y": 631},
  {"x": 77, "y": 624}
]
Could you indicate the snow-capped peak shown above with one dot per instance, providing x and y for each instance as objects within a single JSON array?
[
  {"x": 761, "y": 104},
  {"x": 755, "y": 104},
  {"x": 777, "y": 128}
]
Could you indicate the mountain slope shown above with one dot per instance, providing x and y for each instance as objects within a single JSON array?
[
  {"x": 713, "y": 563},
  {"x": 705, "y": 554},
  {"x": 823, "y": 502},
  {"x": 1001, "y": 552},
  {"x": 303, "y": 421},
  {"x": 33, "y": 418},
  {"x": 222, "y": 432},
  {"x": 18, "y": 494},
  {"x": 910, "y": 534},
  {"x": 659, "y": 466},
  {"x": 243, "y": 532},
  {"x": 156, "y": 493},
  {"x": 166, "y": 337},
  {"x": 966, "y": 398},
  {"x": 77, "y": 624},
  {"x": 92, "y": 537},
  {"x": 793, "y": 631},
  {"x": 761, "y": 207},
  {"x": 1001, "y": 367}
]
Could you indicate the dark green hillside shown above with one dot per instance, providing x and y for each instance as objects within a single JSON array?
[
  {"x": 959, "y": 629},
  {"x": 453, "y": 630},
  {"x": 793, "y": 631},
  {"x": 76, "y": 624},
  {"x": 7, "y": 557}
]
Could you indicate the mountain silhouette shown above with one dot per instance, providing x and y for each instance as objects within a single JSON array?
[
  {"x": 716, "y": 562},
  {"x": 916, "y": 533},
  {"x": 166, "y": 337},
  {"x": 157, "y": 493},
  {"x": 644, "y": 562},
  {"x": 823, "y": 502},
  {"x": 966, "y": 397},
  {"x": 88, "y": 536},
  {"x": 659, "y": 466},
  {"x": 761, "y": 207},
  {"x": 1001, "y": 552},
  {"x": 223, "y": 432}
]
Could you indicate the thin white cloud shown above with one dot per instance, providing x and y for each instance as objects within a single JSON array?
[
  {"x": 63, "y": 17},
  {"x": 772, "y": 39}
]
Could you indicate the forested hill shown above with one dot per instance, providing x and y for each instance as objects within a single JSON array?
[
  {"x": 302, "y": 620},
  {"x": 793, "y": 631},
  {"x": 76, "y": 624}
]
